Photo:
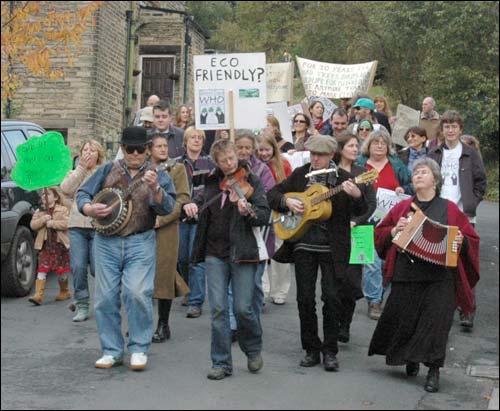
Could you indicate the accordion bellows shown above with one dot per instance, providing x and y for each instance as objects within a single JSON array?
[{"x": 429, "y": 240}]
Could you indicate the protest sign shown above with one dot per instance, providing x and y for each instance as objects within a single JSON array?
[
  {"x": 386, "y": 199},
  {"x": 406, "y": 117},
  {"x": 280, "y": 111},
  {"x": 336, "y": 80},
  {"x": 298, "y": 159},
  {"x": 215, "y": 75},
  {"x": 362, "y": 245},
  {"x": 42, "y": 161},
  {"x": 279, "y": 82}
]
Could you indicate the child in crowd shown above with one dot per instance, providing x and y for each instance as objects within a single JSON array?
[{"x": 52, "y": 241}]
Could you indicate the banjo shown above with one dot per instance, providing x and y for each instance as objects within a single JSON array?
[{"x": 121, "y": 204}]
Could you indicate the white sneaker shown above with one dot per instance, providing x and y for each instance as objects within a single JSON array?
[
  {"x": 108, "y": 361},
  {"x": 279, "y": 301},
  {"x": 138, "y": 361}
]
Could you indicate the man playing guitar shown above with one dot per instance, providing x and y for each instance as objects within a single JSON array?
[{"x": 325, "y": 244}]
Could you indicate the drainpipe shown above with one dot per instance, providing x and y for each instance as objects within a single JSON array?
[
  {"x": 127, "y": 101},
  {"x": 187, "y": 43}
]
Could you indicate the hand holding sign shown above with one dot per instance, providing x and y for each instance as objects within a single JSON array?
[{"x": 42, "y": 162}]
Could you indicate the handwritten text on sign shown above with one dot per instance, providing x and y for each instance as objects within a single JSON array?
[{"x": 335, "y": 80}]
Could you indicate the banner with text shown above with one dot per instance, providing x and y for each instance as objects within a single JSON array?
[
  {"x": 215, "y": 75},
  {"x": 336, "y": 80}
]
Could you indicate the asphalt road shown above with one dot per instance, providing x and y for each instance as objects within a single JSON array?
[{"x": 47, "y": 361}]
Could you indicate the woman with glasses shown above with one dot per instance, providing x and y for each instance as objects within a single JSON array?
[
  {"x": 300, "y": 133},
  {"x": 365, "y": 127},
  {"x": 377, "y": 153},
  {"x": 418, "y": 316}
]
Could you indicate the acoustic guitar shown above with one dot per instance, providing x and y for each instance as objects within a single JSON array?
[{"x": 291, "y": 226}]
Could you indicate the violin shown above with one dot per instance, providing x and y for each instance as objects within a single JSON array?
[{"x": 238, "y": 188}]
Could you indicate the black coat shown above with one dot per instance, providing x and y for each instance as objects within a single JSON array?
[
  {"x": 343, "y": 206},
  {"x": 243, "y": 243}
]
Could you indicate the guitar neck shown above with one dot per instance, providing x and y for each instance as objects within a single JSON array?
[{"x": 330, "y": 193}]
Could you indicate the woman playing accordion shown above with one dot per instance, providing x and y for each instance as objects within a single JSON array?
[{"x": 416, "y": 321}]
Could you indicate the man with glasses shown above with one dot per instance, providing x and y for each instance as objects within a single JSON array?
[
  {"x": 163, "y": 125},
  {"x": 126, "y": 260}
]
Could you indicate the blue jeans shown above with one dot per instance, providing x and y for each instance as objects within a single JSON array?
[
  {"x": 128, "y": 264},
  {"x": 372, "y": 281},
  {"x": 193, "y": 274},
  {"x": 258, "y": 299},
  {"x": 81, "y": 255},
  {"x": 242, "y": 277}
]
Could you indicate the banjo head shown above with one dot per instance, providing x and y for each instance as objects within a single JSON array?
[{"x": 112, "y": 223}]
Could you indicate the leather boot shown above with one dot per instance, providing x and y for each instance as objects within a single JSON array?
[
  {"x": 162, "y": 332},
  {"x": 39, "y": 292},
  {"x": 432, "y": 381},
  {"x": 64, "y": 293}
]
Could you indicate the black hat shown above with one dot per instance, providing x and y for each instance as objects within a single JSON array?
[{"x": 135, "y": 136}]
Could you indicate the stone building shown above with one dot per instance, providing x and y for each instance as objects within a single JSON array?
[{"x": 135, "y": 49}]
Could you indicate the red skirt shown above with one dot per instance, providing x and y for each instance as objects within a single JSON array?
[{"x": 54, "y": 257}]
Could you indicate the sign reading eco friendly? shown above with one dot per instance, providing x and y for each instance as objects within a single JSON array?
[
  {"x": 42, "y": 162},
  {"x": 215, "y": 75}
]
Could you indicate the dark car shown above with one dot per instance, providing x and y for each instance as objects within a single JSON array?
[{"x": 19, "y": 265}]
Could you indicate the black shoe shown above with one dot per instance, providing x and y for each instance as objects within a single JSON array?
[
  {"x": 311, "y": 359},
  {"x": 412, "y": 369},
  {"x": 234, "y": 336},
  {"x": 467, "y": 321},
  {"x": 432, "y": 381},
  {"x": 162, "y": 333},
  {"x": 343, "y": 335},
  {"x": 255, "y": 364},
  {"x": 330, "y": 362}
]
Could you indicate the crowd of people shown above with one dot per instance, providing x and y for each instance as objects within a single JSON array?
[{"x": 187, "y": 213}]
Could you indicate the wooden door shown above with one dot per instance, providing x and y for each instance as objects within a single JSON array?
[{"x": 156, "y": 73}]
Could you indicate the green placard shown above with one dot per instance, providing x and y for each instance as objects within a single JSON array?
[
  {"x": 42, "y": 162},
  {"x": 362, "y": 245}
]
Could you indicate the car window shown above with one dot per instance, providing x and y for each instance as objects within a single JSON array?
[
  {"x": 7, "y": 150},
  {"x": 14, "y": 138},
  {"x": 32, "y": 132},
  {"x": 6, "y": 164}
]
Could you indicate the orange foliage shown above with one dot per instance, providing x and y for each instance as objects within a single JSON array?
[{"x": 33, "y": 38}]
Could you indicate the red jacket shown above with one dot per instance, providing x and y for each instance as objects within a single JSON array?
[{"x": 467, "y": 271}]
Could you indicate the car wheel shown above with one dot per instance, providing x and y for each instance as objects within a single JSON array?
[{"x": 19, "y": 272}]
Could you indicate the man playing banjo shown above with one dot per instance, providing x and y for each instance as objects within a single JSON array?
[
  {"x": 125, "y": 256},
  {"x": 325, "y": 244}
]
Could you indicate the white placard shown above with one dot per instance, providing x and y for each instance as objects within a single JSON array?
[
  {"x": 298, "y": 159},
  {"x": 336, "y": 80},
  {"x": 280, "y": 111},
  {"x": 406, "y": 117},
  {"x": 215, "y": 75},
  {"x": 279, "y": 77},
  {"x": 386, "y": 200}
]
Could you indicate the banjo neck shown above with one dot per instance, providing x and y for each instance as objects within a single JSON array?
[{"x": 126, "y": 193}]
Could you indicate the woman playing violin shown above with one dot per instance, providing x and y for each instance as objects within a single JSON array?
[{"x": 225, "y": 240}]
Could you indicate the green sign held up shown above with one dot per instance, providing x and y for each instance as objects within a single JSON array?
[
  {"x": 42, "y": 162},
  {"x": 362, "y": 245}
]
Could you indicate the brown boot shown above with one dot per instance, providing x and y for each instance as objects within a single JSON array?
[
  {"x": 64, "y": 292},
  {"x": 39, "y": 292}
]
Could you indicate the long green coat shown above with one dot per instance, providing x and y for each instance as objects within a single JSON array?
[{"x": 167, "y": 241}]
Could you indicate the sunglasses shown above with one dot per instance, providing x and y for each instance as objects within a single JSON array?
[
  {"x": 300, "y": 121},
  {"x": 365, "y": 129},
  {"x": 139, "y": 149}
]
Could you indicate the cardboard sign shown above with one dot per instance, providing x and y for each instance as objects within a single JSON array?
[
  {"x": 217, "y": 74},
  {"x": 42, "y": 162},
  {"x": 280, "y": 111},
  {"x": 386, "y": 200},
  {"x": 336, "y": 80},
  {"x": 406, "y": 117},
  {"x": 279, "y": 82},
  {"x": 362, "y": 245}
]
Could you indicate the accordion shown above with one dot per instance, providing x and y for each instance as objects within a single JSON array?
[{"x": 429, "y": 240}]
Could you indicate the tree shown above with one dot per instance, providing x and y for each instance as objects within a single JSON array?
[{"x": 34, "y": 35}]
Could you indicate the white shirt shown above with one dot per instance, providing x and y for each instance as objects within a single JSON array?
[{"x": 450, "y": 171}]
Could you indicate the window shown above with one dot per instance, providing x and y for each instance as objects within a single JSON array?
[{"x": 14, "y": 138}]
